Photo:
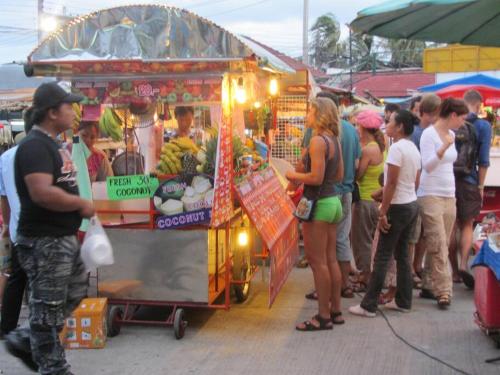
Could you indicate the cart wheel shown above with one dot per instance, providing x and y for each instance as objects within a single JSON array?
[
  {"x": 115, "y": 314},
  {"x": 179, "y": 324},
  {"x": 242, "y": 291}
]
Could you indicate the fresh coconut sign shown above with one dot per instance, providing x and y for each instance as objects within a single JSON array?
[
  {"x": 131, "y": 187},
  {"x": 184, "y": 201}
]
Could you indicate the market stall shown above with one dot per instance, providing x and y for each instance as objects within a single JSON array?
[{"x": 182, "y": 111}]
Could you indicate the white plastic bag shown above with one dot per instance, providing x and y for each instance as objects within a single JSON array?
[{"x": 96, "y": 249}]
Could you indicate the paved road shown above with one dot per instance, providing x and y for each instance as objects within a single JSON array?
[{"x": 251, "y": 339}]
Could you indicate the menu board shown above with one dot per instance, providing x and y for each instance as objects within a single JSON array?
[
  {"x": 271, "y": 211},
  {"x": 222, "y": 208},
  {"x": 267, "y": 204},
  {"x": 284, "y": 254}
]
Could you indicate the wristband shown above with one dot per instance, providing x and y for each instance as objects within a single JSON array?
[{"x": 481, "y": 187}]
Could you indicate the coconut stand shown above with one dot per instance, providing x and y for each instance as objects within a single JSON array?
[{"x": 185, "y": 232}]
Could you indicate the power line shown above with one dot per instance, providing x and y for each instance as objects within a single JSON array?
[{"x": 239, "y": 8}]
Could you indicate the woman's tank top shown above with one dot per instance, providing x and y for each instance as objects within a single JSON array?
[
  {"x": 369, "y": 182},
  {"x": 327, "y": 188}
]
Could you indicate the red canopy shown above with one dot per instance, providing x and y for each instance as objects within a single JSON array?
[{"x": 491, "y": 95}]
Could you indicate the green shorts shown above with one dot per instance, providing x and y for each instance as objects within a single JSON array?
[{"x": 328, "y": 210}]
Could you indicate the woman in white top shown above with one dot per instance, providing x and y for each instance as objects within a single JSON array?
[
  {"x": 397, "y": 216},
  {"x": 436, "y": 198}
]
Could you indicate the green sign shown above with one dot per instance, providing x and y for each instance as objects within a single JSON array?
[{"x": 131, "y": 187}]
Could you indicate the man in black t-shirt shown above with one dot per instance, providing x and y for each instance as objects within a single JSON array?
[{"x": 47, "y": 246}]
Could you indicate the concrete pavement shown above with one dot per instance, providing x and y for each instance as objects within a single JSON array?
[{"x": 252, "y": 339}]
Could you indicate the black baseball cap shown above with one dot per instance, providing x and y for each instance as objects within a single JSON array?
[{"x": 49, "y": 95}]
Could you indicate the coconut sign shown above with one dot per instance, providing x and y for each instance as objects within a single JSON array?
[{"x": 184, "y": 201}]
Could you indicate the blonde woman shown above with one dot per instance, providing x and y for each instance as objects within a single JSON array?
[{"x": 323, "y": 168}]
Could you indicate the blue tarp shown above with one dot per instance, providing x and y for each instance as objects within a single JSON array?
[
  {"x": 478, "y": 79},
  {"x": 487, "y": 257}
]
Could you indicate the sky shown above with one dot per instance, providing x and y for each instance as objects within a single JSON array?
[{"x": 277, "y": 23}]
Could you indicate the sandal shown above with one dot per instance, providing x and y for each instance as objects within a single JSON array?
[
  {"x": 302, "y": 263},
  {"x": 347, "y": 292},
  {"x": 384, "y": 300},
  {"x": 335, "y": 317},
  {"x": 312, "y": 296},
  {"x": 444, "y": 301},
  {"x": 324, "y": 324}
]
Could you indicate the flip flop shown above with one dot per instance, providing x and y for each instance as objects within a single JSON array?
[
  {"x": 312, "y": 296},
  {"x": 335, "y": 317},
  {"x": 324, "y": 325},
  {"x": 467, "y": 278}
]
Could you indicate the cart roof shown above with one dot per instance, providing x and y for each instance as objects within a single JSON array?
[{"x": 145, "y": 33}]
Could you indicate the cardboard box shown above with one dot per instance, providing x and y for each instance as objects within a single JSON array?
[{"x": 86, "y": 327}]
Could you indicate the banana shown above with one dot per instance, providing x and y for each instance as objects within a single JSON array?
[
  {"x": 185, "y": 144},
  {"x": 171, "y": 164},
  {"x": 172, "y": 147},
  {"x": 165, "y": 168}
]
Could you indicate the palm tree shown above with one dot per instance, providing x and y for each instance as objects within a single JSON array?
[
  {"x": 405, "y": 53},
  {"x": 326, "y": 35}
]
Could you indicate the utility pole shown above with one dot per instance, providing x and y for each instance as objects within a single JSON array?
[
  {"x": 39, "y": 20},
  {"x": 305, "y": 34},
  {"x": 350, "y": 57}
]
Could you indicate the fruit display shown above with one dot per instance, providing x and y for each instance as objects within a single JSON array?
[
  {"x": 179, "y": 156},
  {"x": 111, "y": 125}
]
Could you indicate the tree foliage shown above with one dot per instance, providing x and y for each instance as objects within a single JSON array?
[{"x": 368, "y": 53}]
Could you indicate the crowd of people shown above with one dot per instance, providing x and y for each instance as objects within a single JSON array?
[{"x": 403, "y": 189}]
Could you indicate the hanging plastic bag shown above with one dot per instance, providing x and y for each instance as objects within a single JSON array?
[
  {"x": 5, "y": 255},
  {"x": 96, "y": 249}
]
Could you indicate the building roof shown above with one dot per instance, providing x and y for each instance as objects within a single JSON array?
[
  {"x": 395, "y": 84},
  {"x": 293, "y": 63}
]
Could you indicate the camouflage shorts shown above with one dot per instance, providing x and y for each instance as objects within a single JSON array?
[{"x": 57, "y": 283}]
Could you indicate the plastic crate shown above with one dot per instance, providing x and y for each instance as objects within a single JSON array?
[{"x": 487, "y": 297}]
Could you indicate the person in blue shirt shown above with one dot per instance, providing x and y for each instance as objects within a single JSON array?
[
  {"x": 470, "y": 189},
  {"x": 16, "y": 283},
  {"x": 428, "y": 113}
]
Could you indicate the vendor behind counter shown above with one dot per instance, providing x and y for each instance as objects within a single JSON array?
[{"x": 97, "y": 163}]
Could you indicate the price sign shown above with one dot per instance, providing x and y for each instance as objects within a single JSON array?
[
  {"x": 131, "y": 187},
  {"x": 271, "y": 211}
]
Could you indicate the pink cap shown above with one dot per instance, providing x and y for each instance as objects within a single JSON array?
[{"x": 369, "y": 119}]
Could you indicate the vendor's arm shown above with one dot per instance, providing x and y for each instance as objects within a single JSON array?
[
  {"x": 315, "y": 177},
  {"x": 105, "y": 169}
]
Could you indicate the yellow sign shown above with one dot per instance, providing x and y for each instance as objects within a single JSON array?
[{"x": 458, "y": 58}]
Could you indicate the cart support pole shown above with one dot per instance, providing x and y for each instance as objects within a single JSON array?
[{"x": 228, "y": 267}]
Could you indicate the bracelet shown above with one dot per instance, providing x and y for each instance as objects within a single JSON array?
[{"x": 481, "y": 187}]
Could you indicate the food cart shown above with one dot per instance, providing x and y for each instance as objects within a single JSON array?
[{"x": 188, "y": 217}]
